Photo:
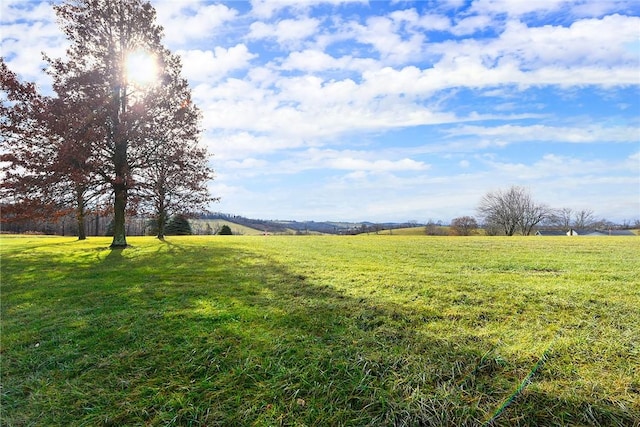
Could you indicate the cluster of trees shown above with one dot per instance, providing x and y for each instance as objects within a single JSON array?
[
  {"x": 513, "y": 210},
  {"x": 103, "y": 142}
]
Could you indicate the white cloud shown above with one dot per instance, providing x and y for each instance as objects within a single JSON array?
[
  {"x": 19, "y": 10},
  {"x": 589, "y": 42},
  {"x": 451, "y": 72},
  {"x": 322, "y": 118},
  {"x": 600, "y": 8},
  {"x": 383, "y": 35},
  {"x": 267, "y": 8},
  {"x": 517, "y": 7},
  {"x": 470, "y": 25},
  {"x": 550, "y": 167},
  {"x": 584, "y": 134},
  {"x": 312, "y": 60},
  {"x": 210, "y": 66},
  {"x": 580, "y": 8},
  {"x": 413, "y": 21},
  {"x": 361, "y": 161},
  {"x": 28, "y": 30},
  {"x": 191, "y": 20},
  {"x": 286, "y": 32},
  {"x": 593, "y": 52},
  {"x": 250, "y": 164},
  {"x": 242, "y": 145},
  {"x": 311, "y": 109}
]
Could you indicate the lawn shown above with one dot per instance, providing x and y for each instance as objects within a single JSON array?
[{"x": 321, "y": 330}]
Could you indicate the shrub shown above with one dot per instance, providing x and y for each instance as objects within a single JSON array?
[
  {"x": 225, "y": 230},
  {"x": 464, "y": 226},
  {"x": 178, "y": 225}
]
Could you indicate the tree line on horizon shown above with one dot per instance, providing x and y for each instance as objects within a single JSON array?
[
  {"x": 514, "y": 211},
  {"x": 208, "y": 223},
  {"x": 103, "y": 143}
]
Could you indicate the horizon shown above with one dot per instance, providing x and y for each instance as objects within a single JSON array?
[
  {"x": 352, "y": 111},
  {"x": 595, "y": 223}
]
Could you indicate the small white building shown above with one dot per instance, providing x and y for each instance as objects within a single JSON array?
[
  {"x": 588, "y": 232},
  {"x": 584, "y": 232}
]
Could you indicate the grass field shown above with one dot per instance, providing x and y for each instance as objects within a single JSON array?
[{"x": 322, "y": 330}]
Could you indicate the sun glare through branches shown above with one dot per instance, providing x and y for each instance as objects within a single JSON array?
[{"x": 141, "y": 68}]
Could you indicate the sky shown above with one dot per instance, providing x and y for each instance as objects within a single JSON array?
[{"x": 397, "y": 110}]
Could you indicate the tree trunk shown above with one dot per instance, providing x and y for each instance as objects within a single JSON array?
[
  {"x": 120, "y": 196},
  {"x": 121, "y": 169},
  {"x": 119, "y": 207},
  {"x": 162, "y": 223},
  {"x": 82, "y": 235}
]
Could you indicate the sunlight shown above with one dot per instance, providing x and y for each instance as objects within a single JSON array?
[{"x": 141, "y": 68}]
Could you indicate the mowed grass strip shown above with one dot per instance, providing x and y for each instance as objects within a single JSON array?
[{"x": 323, "y": 330}]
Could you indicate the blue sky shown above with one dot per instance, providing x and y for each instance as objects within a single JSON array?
[{"x": 398, "y": 110}]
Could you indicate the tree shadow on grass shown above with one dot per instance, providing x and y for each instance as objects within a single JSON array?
[
  {"x": 545, "y": 409},
  {"x": 212, "y": 335}
]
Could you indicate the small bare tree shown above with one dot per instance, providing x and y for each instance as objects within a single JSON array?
[
  {"x": 583, "y": 219},
  {"x": 532, "y": 215},
  {"x": 561, "y": 218},
  {"x": 464, "y": 225}
]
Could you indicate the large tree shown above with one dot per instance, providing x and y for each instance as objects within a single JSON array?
[
  {"x": 501, "y": 209},
  {"x": 104, "y": 35},
  {"x": 511, "y": 210},
  {"x": 47, "y": 152},
  {"x": 175, "y": 173}
]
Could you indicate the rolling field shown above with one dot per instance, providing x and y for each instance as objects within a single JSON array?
[
  {"x": 322, "y": 330},
  {"x": 199, "y": 226}
]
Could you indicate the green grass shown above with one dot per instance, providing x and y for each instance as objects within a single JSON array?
[
  {"x": 409, "y": 231},
  {"x": 324, "y": 330}
]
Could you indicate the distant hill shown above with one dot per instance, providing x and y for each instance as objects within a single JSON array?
[
  {"x": 243, "y": 225},
  {"x": 213, "y": 226},
  {"x": 249, "y": 226}
]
